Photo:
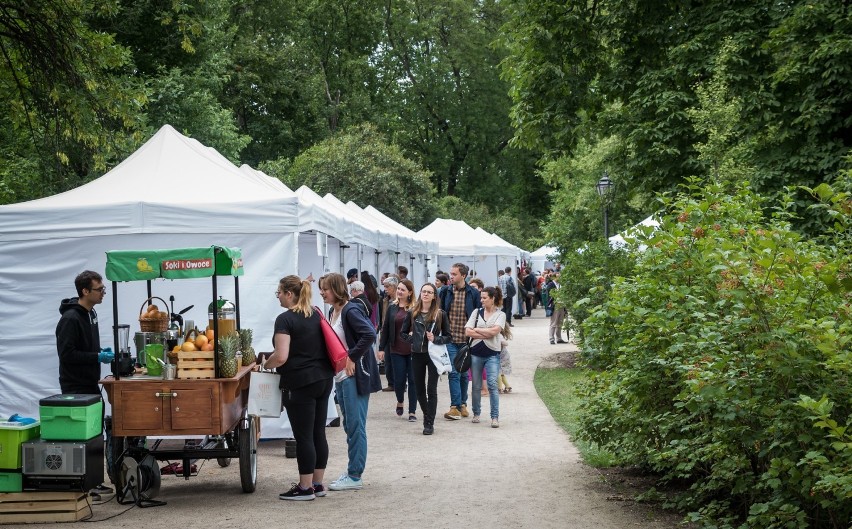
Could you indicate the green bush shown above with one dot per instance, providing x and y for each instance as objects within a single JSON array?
[
  {"x": 585, "y": 279},
  {"x": 726, "y": 362}
]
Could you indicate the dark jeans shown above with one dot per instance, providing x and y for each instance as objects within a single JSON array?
[
  {"x": 401, "y": 373},
  {"x": 528, "y": 305},
  {"x": 427, "y": 390},
  {"x": 307, "y": 409},
  {"x": 507, "y": 309}
]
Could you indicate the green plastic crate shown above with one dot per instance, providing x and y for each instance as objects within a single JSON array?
[
  {"x": 71, "y": 417},
  {"x": 11, "y": 482},
  {"x": 12, "y": 434}
]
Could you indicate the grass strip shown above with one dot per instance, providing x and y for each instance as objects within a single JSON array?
[{"x": 555, "y": 387}]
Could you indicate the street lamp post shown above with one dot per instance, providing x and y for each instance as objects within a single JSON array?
[{"x": 604, "y": 188}]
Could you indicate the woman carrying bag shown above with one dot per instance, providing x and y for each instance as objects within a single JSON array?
[
  {"x": 360, "y": 378},
  {"x": 423, "y": 324},
  {"x": 484, "y": 328},
  {"x": 400, "y": 350},
  {"x": 306, "y": 379}
]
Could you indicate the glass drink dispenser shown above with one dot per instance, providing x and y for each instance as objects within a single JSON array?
[{"x": 227, "y": 316}]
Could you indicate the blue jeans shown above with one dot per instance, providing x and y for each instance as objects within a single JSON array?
[
  {"x": 403, "y": 372},
  {"x": 458, "y": 381},
  {"x": 354, "y": 407},
  {"x": 492, "y": 370}
]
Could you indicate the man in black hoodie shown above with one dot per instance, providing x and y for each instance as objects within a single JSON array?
[
  {"x": 78, "y": 339},
  {"x": 78, "y": 343}
]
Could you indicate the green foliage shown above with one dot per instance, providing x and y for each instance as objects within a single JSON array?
[
  {"x": 759, "y": 87},
  {"x": 357, "y": 164},
  {"x": 585, "y": 280},
  {"x": 726, "y": 359},
  {"x": 69, "y": 110}
]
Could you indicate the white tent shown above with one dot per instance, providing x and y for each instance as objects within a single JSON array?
[
  {"x": 170, "y": 193},
  {"x": 426, "y": 254},
  {"x": 543, "y": 258},
  {"x": 619, "y": 239},
  {"x": 373, "y": 254},
  {"x": 458, "y": 242}
]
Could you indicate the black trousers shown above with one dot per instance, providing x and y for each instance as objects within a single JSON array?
[
  {"x": 507, "y": 309},
  {"x": 307, "y": 409},
  {"x": 427, "y": 389}
]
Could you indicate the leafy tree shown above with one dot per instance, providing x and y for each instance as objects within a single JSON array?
[
  {"x": 446, "y": 104},
  {"x": 69, "y": 111},
  {"x": 637, "y": 71},
  {"x": 358, "y": 164},
  {"x": 301, "y": 71},
  {"x": 181, "y": 52}
]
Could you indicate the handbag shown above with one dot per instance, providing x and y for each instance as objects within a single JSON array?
[
  {"x": 461, "y": 362},
  {"x": 264, "y": 398},
  {"x": 337, "y": 352},
  {"x": 439, "y": 355}
]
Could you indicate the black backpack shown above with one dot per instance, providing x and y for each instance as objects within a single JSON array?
[{"x": 510, "y": 288}]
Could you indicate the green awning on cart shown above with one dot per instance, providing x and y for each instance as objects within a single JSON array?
[{"x": 177, "y": 263}]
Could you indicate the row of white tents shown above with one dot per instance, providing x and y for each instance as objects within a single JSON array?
[{"x": 174, "y": 192}]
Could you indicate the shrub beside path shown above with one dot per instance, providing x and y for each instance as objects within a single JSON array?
[{"x": 526, "y": 473}]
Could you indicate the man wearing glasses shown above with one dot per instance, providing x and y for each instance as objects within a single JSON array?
[{"x": 78, "y": 342}]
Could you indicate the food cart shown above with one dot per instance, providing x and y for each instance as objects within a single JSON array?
[{"x": 146, "y": 406}]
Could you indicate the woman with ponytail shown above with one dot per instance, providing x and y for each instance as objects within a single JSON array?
[{"x": 300, "y": 358}]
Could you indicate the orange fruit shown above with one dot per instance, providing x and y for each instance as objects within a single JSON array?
[
  {"x": 209, "y": 335},
  {"x": 188, "y": 346},
  {"x": 201, "y": 341},
  {"x": 207, "y": 347},
  {"x": 176, "y": 349}
]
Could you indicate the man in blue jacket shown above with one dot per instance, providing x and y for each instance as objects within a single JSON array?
[{"x": 458, "y": 301}]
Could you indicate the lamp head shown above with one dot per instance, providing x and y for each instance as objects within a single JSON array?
[{"x": 604, "y": 185}]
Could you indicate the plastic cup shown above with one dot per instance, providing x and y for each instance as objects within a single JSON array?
[{"x": 152, "y": 351}]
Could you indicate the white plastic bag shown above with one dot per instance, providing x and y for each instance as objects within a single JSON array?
[
  {"x": 264, "y": 394},
  {"x": 440, "y": 357}
]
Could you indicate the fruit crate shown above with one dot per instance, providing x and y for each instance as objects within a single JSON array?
[
  {"x": 196, "y": 364},
  {"x": 42, "y": 507}
]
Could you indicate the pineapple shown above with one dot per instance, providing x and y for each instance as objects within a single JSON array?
[
  {"x": 228, "y": 346},
  {"x": 249, "y": 355}
]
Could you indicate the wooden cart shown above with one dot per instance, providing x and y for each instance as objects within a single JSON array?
[{"x": 142, "y": 406}]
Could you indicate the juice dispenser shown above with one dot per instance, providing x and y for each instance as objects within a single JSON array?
[{"x": 227, "y": 316}]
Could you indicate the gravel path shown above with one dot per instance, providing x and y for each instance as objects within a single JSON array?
[{"x": 524, "y": 474}]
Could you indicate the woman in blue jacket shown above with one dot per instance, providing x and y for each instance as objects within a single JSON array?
[{"x": 360, "y": 378}]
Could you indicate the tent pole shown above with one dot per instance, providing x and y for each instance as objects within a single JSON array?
[
  {"x": 215, "y": 327},
  {"x": 114, "y": 363}
]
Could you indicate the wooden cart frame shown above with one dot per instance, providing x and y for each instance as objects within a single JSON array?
[{"x": 214, "y": 408}]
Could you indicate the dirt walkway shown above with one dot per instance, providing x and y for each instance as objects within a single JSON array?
[{"x": 524, "y": 474}]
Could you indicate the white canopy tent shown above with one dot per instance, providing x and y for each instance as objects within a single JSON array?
[
  {"x": 426, "y": 255},
  {"x": 619, "y": 238},
  {"x": 458, "y": 242},
  {"x": 364, "y": 254},
  {"x": 170, "y": 193},
  {"x": 543, "y": 258}
]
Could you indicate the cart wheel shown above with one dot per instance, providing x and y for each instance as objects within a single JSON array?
[
  {"x": 248, "y": 455},
  {"x": 115, "y": 447},
  {"x": 223, "y": 461}
]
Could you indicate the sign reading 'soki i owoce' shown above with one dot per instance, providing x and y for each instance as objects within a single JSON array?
[{"x": 187, "y": 264}]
